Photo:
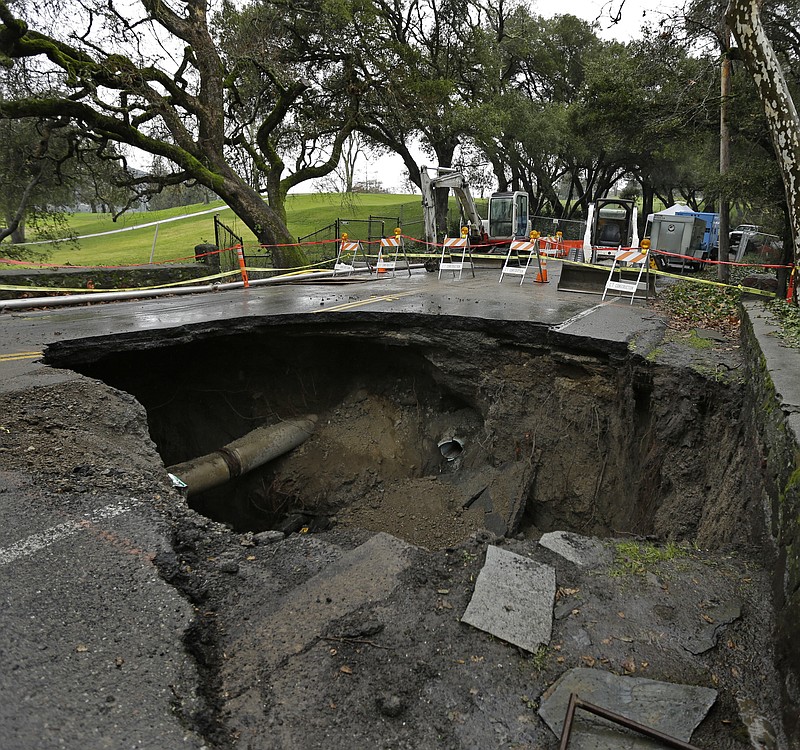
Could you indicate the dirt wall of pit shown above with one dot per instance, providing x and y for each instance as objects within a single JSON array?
[
  {"x": 598, "y": 442},
  {"x": 778, "y": 469}
]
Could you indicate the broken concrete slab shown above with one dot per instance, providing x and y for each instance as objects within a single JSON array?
[
  {"x": 581, "y": 550},
  {"x": 513, "y": 599},
  {"x": 675, "y": 710},
  {"x": 709, "y": 624}
]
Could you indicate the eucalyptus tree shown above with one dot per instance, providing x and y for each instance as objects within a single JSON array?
[
  {"x": 767, "y": 42},
  {"x": 769, "y": 71}
]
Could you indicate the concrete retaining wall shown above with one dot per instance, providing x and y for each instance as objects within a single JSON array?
[{"x": 774, "y": 381}]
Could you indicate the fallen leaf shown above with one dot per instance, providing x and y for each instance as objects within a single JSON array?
[
  {"x": 560, "y": 659},
  {"x": 81, "y": 649},
  {"x": 332, "y": 705},
  {"x": 606, "y": 641},
  {"x": 707, "y": 618},
  {"x": 345, "y": 669},
  {"x": 731, "y": 644},
  {"x": 250, "y": 557},
  {"x": 645, "y": 664},
  {"x": 443, "y": 591},
  {"x": 589, "y": 661},
  {"x": 735, "y": 671},
  {"x": 621, "y": 614},
  {"x": 629, "y": 665},
  {"x": 575, "y": 612}
]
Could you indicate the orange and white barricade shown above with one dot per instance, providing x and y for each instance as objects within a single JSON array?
[
  {"x": 392, "y": 246},
  {"x": 346, "y": 256},
  {"x": 632, "y": 258},
  {"x": 553, "y": 246},
  {"x": 517, "y": 250},
  {"x": 450, "y": 254}
]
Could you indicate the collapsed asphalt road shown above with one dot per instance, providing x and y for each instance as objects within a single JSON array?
[{"x": 133, "y": 620}]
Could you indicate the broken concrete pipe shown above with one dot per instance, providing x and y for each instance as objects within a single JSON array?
[
  {"x": 451, "y": 447},
  {"x": 245, "y": 454}
]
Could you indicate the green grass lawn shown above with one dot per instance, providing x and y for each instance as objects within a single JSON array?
[{"x": 176, "y": 240}]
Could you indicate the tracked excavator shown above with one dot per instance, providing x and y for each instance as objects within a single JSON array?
[{"x": 508, "y": 211}]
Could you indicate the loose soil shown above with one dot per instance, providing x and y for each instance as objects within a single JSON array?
[{"x": 650, "y": 447}]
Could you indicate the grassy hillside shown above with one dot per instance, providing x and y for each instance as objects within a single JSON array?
[{"x": 307, "y": 213}]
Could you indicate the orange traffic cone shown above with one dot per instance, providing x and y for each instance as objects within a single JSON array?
[
  {"x": 381, "y": 268},
  {"x": 541, "y": 276}
]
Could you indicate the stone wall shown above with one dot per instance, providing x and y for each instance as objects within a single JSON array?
[{"x": 775, "y": 419}]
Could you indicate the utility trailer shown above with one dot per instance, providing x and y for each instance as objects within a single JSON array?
[{"x": 681, "y": 235}]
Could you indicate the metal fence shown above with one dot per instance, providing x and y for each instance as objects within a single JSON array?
[
  {"x": 225, "y": 239},
  {"x": 547, "y": 226}
]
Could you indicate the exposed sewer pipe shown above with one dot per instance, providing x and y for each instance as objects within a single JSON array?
[
  {"x": 82, "y": 299},
  {"x": 245, "y": 454}
]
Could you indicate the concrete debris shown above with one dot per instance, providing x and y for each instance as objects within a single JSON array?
[
  {"x": 675, "y": 710},
  {"x": 709, "y": 624},
  {"x": 269, "y": 537},
  {"x": 513, "y": 599},
  {"x": 581, "y": 550}
]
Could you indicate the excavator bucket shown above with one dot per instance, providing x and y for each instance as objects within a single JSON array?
[{"x": 591, "y": 279}]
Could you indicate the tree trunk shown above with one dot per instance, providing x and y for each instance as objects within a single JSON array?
[
  {"x": 723, "y": 269},
  {"x": 784, "y": 125},
  {"x": 648, "y": 199},
  {"x": 264, "y": 222}
]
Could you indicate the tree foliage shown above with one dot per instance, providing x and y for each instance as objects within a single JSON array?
[{"x": 268, "y": 94}]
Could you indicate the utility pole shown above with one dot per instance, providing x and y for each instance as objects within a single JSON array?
[{"x": 723, "y": 270}]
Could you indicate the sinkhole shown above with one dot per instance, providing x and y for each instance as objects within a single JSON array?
[{"x": 431, "y": 435}]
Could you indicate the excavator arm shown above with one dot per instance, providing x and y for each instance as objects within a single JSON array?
[{"x": 454, "y": 180}]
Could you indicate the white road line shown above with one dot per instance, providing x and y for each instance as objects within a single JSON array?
[
  {"x": 36, "y": 542},
  {"x": 576, "y": 318}
]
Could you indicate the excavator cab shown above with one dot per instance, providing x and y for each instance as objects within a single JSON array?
[
  {"x": 613, "y": 226},
  {"x": 508, "y": 216}
]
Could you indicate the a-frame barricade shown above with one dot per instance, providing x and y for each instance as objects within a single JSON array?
[
  {"x": 631, "y": 258},
  {"x": 394, "y": 247},
  {"x": 450, "y": 254},
  {"x": 513, "y": 262},
  {"x": 346, "y": 256}
]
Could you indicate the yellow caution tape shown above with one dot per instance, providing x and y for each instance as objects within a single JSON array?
[
  {"x": 95, "y": 290},
  {"x": 666, "y": 274}
]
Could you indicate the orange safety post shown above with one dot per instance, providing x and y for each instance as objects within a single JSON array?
[
  {"x": 242, "y": 267},
  {"x": 541, "y": 276}
]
